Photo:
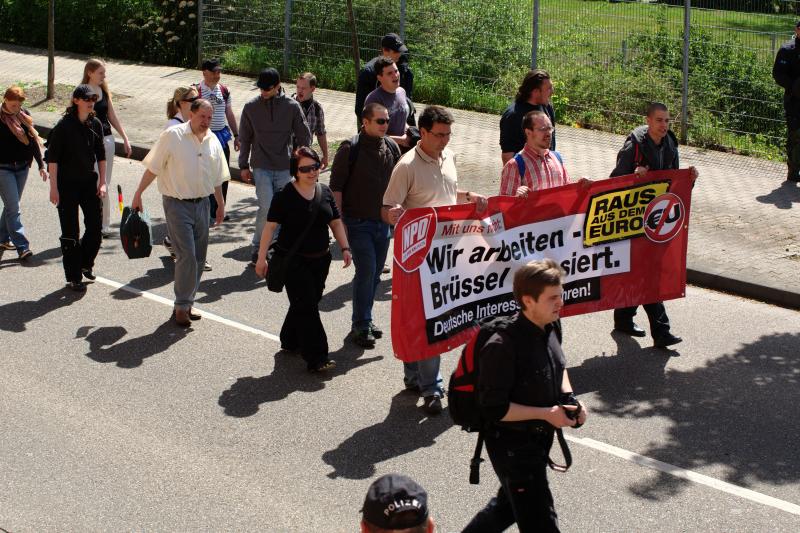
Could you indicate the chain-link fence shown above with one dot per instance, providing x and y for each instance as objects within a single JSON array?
[{"x": 607, "y": 58}]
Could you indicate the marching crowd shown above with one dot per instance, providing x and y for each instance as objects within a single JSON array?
[{"x": 398, "y": 159}]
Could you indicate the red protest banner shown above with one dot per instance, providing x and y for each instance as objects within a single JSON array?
[{"x": 622, "y": 242}]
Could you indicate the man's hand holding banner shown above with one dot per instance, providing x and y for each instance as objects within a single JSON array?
[{"x": 622, "y": 242}]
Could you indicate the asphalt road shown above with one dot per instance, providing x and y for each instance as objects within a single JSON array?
[{"x": 113, "y": 419}]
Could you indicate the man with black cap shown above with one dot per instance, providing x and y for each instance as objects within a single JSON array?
[
  {"x": 786, "y": 72},
  {"x": 268, "y": 124},
  {"x": 394, "y": 47},
  {"x": 223, "y": 123},
  {"x": 396, "y": 502}
]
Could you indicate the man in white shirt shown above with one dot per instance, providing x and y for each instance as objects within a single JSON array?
[{"x": 190, "y": 165}]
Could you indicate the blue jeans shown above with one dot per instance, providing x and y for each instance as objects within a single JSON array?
[
  {"x": 424, "y": 374},
  {"x": 187, "y": 226},
  {"x": 369, "y": 243},
  {"x": 268, "y": 182},
  {"x": 12, "y": 182}
]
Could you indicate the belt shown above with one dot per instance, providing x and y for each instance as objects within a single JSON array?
[{"x": 193, "y": 200}]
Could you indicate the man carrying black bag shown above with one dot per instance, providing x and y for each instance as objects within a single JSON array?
[
  {"x": 522, "y": 386},
  {"x": 190, "y": 165}
]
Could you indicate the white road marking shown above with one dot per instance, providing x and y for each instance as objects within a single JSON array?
[
  {"x": 632, "y": 457},
  {"x": 689, "y": 475},
  {"x": 204, "y": 314}
]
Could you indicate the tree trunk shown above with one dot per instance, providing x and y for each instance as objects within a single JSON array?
[
  {"x": 354, "y": 38},
  {"x": 51, "y": 50}
]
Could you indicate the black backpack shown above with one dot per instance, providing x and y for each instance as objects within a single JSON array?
[
  {"x": 462, "y": 393},
  {"x": 134, "y": 232}
]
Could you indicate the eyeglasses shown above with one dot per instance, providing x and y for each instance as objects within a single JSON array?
[
  {"x": 192, "y": 99},
  {"x": 309, "y": 168},
  {"x": 89, "y": 98},
  {"x": 545, "y": 129},
  {"x": 380, "y": 121},
  {"x": 442, "y": 135}
]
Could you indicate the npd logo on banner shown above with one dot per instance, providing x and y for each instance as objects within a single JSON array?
[
  {"x": 417, "y": 237},
  {"x": 663, "y": 218}
]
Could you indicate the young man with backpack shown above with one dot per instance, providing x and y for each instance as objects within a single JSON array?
[
  {"x": 361, "y": 170},
  {"x": 536, "y": 166},
  {"x": 650, "y": 147},
  {"x": 524, "y": 397},
  {"x": 223, "y": 123}
]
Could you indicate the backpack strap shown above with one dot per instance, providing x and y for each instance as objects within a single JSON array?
[
  {"x": 225, "y": 93},
  {"x": 475, "y": 463},
  {"x": 564, "y": 450},
  {"x": 558, "y": 156},
  {"x": 520, "y": 165}
]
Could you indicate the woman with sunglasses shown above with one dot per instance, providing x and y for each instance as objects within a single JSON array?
[
  {"x": 19, "y": 146},
  {"x": 75, "y": 149},
  {"x": 94, "y": 75},
  {"x": 305, "y": 281},
  {"x": 178, "y": 106}
]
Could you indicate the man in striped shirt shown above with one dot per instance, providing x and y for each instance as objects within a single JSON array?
[{"x": 541, "y": 167}]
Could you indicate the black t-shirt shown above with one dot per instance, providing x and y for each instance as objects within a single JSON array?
[
  {"x": 75, "y": 146},
  {"x": 291, "y": 211},
  {"x": 13, "y": 151},
  {"x": 101, "y": 112},
  {"x": 512, "y": 136}
]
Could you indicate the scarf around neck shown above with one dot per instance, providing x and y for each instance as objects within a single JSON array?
[{"x": 14, "y": 122}]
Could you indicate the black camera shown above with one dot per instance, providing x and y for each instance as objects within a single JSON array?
[{"x": 569, "y": 398}]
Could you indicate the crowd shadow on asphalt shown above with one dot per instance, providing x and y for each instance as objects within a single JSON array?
[
  {"x": 735, "y": 413},
  {"x": 9, "y": 258},
  {"x": 216, "y": 288},
  {"x": 782, "y": 196},
  {"x": 245, "y": 396},
  {"x": 105, "y": 346},
  {"x": 341, "y": 295},
  {"x": 405, "y": 429},
  {"x": 15, "y": 316}
]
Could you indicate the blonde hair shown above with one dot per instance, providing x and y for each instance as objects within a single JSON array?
[
  {"x": 92, "y": 65},
  {"x": 174, "y": 104}
]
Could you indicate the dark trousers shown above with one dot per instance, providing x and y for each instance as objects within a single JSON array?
[
  {"x": 656, "y": 314},
  {"x": 520, "y": 461},
  {"x": 302, "y": 328},
  {"x": 793, "y": 149},
  {"x": 212, "y": 198},
  {"x": 79, "y": 253}
]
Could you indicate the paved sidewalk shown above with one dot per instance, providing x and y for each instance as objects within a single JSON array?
[{"x": 745, "y": 218}]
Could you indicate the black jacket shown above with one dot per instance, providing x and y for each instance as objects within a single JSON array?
[
  {"x": 368, "y": 80},
  {"x": 640, "y": 150},
  {"x": 524, "y": 365},
  {"x": 75, "y": 146},
  {"x": 786, "y": 72}
]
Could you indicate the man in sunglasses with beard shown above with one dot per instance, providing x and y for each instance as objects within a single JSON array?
[{"x": 361, "y": 170}]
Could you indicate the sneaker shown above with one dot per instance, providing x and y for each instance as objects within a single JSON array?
[
  {"x": 88, "y": 274},
  {"x": 362, "y": 337},
  {"x": 432, "y": 405},
  {"x": 324, "y": 366},
  {"x": 8, "y": 245},
  {"x": 376, "y": 331},
  {"x": 206, "y": 267},
  {"x": 77, "y": 286},
  {"x": 24, "y": 255}
]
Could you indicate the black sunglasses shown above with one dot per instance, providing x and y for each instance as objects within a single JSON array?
[
  {"x": 89, "y": 98},
  {"x": 309, "y": 168},
  {"x": 192, "y": 99},
  {"x": 380, "y": 121}
]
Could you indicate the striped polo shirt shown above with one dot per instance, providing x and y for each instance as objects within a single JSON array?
[{"x": 542, "y": 171}]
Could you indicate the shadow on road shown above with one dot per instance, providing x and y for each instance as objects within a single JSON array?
[
  {"x": 783, "y": 196},
  {"x": 736, "y": 412},
  {"x": 289, "y": 375},
  {"x": 15, "y": 316},
  {"x": 104, "y": 345},
  {"x": 216, "y": 288},
  {"x": 152, "y": 279},
  {"x": 405, "y": 429}
]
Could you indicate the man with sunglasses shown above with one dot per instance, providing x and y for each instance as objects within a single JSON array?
[
  {"x": 360, "y": 174},
  {"x": 270, "y": 122},
  {"x": 426, "y": 177}
]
